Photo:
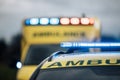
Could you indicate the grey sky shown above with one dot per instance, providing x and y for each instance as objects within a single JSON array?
[{"x": 12, "y": 12}]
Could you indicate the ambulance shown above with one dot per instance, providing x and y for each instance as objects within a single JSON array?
[
  {"x": 79, "y": 64},
  {"x": 42, "y": 36}
]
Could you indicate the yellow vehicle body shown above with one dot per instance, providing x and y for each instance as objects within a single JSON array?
[
  {"x": 25, "y": 72},
  {"x": 79, "y": 66},
  {"x": 52, "y": 35}
]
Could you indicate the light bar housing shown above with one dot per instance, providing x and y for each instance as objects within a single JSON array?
[
  {"x": 90, "y": 45},
  {"x": 59, "y": 21}
]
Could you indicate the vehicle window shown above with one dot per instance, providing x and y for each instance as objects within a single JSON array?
[
  {"x": 37, "y": 53},
  {"x": 81, "y": 73}
]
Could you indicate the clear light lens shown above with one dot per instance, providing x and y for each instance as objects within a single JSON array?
[
  {"x": 64, "y": 21},
  {"x": 19, "y": 65},
  {"x": 75, "y": 21},
  {"x": 34, "y": 21},
  {"x": 54, "y": 21},
  {"x": 91, "y": 45},
  {"x": 85, "y": 21},
  {"x": 44, "y": 21}
]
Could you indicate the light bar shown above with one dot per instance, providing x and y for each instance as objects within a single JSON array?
[
  {"x": 75, "y": 21},
  {"x": 64, "y": 21},
  {"x": 59, "y": 21},
  {"x": 89, "y": 45},
  {"x": 34, "y": 21},
  {"x": 44, "y": 21},
  {"x": 54, "y": 21}
]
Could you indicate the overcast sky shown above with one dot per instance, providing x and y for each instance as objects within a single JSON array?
[{"x": 12, "y": 12}]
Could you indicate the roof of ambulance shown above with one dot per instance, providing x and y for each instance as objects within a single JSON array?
[
  {"x": 86, "y": 55},
  {"x": 76, "y": 59}
]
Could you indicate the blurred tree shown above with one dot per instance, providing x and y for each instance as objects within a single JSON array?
[
  {"x": 12, "y": 54},
  {"x": 3, "y": 47},
  {"x": 15, "y": 50}
]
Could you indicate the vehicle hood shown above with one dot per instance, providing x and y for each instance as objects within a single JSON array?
[{"x": 25, "y": 72}]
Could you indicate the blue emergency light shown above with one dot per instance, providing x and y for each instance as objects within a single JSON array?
[
  {"x": 27, "y": 22},
  {"x": 44, "y": 21},
  {"x": 34, "y": 21},
  {"x": 90, "y": 45},
  {"x": 54, "y": 21}
]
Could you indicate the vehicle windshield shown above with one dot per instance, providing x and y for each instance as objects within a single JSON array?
[
  {"x": 81, "y": 73},
  {"x": 37, "y": 53}
]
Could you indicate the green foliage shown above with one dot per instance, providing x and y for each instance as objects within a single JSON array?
[{"x": 7, "y": 73}]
